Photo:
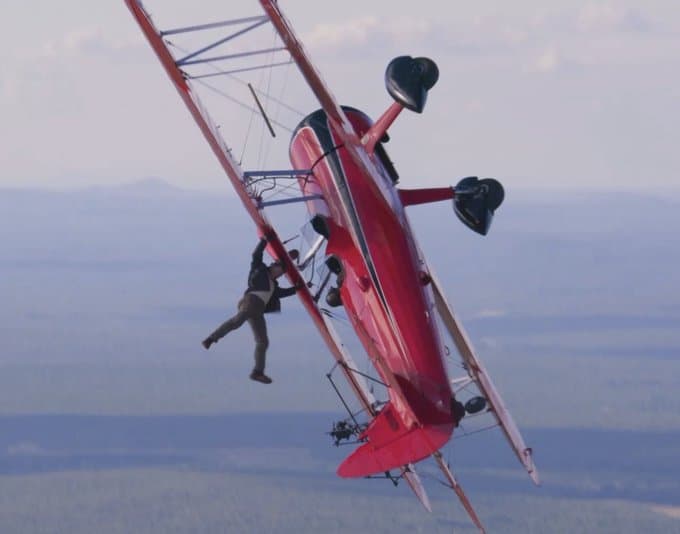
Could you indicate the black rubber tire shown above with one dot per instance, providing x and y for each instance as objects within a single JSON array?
[
  {"x": 495, "y": 192},
  {"x": 429, "y": 72}
]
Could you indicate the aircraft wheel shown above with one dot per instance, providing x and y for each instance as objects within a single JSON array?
[
  {"x": 475, "y": 405},
  {"x": 494, "y": 192},
  {"x": 429, "y": 72}
]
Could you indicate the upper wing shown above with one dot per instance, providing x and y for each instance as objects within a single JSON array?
[{"x": 478, "y": 373}]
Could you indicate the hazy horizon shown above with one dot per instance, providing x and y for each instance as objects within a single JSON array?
[{"x": 105, "y": 389}]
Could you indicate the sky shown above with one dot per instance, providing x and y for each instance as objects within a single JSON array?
[{"x": 563, "y": 95}]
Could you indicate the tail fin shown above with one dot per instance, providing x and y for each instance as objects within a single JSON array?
[{"x": 391, "y": 444}]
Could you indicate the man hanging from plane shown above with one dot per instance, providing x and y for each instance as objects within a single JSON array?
[{"x": 262, "y": 296}]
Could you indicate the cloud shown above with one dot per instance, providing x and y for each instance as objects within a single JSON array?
[
  {"x": 548, "y": 61},
  {"x": 478, "y": 32},
  {"x": 596, "y": 35},
  {"x": 489, "y": 35},
  {"x": 48, "y": 75},
  {"x": 592, "y": 18},
  {"x": 368, "y": 34},
  {"x": 87, "y": 42},
  {"x": 365, "y": 33},
  {"x": 352, "y": 33},
  {"x": 611, "y": 17}
]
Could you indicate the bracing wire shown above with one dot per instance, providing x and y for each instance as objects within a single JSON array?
[
  {"x": 237, "y": 102},
  {"x": 233, "y": 99},
  {"x": 263, "y": 150},
  {"x": 262, "y": 124},
  {"x": 269, "y": 91},
  {"x": 235, "y": 78}
]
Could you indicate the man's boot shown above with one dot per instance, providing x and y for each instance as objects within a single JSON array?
[
  {"x": 207, "y": 342},
  {"x": 259, "y": 376}
]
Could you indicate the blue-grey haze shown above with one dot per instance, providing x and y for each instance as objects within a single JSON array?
[{"x": 572, "y": 300}]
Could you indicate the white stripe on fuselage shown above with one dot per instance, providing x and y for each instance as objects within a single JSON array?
[{"x": 356, "y": 230}]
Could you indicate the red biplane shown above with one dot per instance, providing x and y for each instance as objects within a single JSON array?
[{"x": 374, "y": 269}]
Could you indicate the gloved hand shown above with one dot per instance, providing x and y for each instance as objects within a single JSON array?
[{"x": 269, "y": 236}]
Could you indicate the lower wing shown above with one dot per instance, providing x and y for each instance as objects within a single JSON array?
[{"x": 478, "y": 374}]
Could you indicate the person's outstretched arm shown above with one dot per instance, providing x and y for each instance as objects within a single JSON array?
[
  {"x": 257, "y": 253},
  {"x": 283, "y": 292}
]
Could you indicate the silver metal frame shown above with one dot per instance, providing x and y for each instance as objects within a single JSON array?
[{"x": 212, "y": 25}]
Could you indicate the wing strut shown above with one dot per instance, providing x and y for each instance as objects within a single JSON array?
[{"x": 453, "y": 483}]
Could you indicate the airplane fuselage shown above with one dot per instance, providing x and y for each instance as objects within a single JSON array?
[{"x": 384, "y": 280}]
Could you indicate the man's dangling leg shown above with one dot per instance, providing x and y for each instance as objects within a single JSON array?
[
  {"x": 230, "y": 324},
  {"x": 259, "y": 326}
]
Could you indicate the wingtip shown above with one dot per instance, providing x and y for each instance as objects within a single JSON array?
[{"x": 530, "y": 467}]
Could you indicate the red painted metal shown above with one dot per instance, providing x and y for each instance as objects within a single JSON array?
[
  {"x": 411, "y": 197},
  {"x": 393, "y": 317},
  {"x": 379, "y": 129}
]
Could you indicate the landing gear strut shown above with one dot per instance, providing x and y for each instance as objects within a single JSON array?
[
  {"x": 457, "y": 411},
  {"x": 334, "y": 265}
]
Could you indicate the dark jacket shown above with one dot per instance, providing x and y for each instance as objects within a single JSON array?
[{"x": 259, "y": 280}]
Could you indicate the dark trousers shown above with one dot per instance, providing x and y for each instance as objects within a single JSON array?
[{"x": 251, "y": 309}]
